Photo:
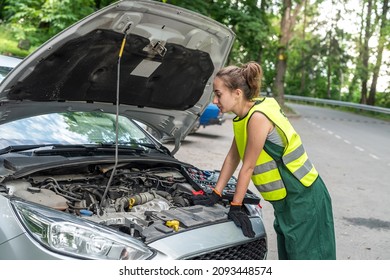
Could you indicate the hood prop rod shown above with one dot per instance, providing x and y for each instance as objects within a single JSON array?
[{"x": 102, "y": 202}]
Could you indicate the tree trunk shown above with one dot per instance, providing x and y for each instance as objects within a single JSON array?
[
  {"x": 365, "y": 54},
  {"x": 354, "y": 84},
  {"x": 328, "y": 80},
  {"x": 381, "y": 44},
  {"x": 287, "y": 24},
  {"x": 303, "y": 71},
  {"x": 281, "y": 67}
]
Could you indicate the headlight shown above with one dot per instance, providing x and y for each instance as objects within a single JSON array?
[{"x": 68, "y": 235}]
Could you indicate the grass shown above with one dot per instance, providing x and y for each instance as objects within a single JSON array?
[{"x": 9, "y": 45}]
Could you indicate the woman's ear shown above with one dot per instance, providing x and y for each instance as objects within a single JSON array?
[{"x": 238, "y": 93}]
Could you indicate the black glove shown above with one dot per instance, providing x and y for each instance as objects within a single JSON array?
[
  {"x": 207, "y": 199},
  {"x": 241, "y": 220}
]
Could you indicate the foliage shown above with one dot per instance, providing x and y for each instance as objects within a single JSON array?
[
  {"x": 8, "y": 44},
  {"x": 39, "y": 20},
  {"x": 323, "y": 56}
]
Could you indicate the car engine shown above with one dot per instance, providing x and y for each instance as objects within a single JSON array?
[{"x": 145, "y": 203}]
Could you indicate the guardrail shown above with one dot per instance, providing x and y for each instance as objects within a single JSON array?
[{"x": 337, "y": 103}]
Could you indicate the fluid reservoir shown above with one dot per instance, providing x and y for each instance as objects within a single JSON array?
[{"x": 26, "y": 191}]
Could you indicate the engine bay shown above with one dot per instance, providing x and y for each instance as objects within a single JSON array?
[{"x": 145, "y": 202}]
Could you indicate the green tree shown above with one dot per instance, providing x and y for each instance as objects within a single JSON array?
[
  {"x": 39, "y": 20},
  {"x": 364, "y": 70},
  {"x": 300, "y": 51},
  {"x": 289, "y": 14},
  {"x": 384, "y": 34}
]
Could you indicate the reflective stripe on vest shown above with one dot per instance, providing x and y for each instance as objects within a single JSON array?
[
  {"x": 266, "y": 176},
  {"x": 267, "y": 179},
  {"x": 300, "y": 166}
]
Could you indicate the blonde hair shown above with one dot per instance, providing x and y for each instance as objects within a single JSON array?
[{"x": 247, "y": 78}]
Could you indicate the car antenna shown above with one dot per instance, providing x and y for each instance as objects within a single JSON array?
[{"x": 126, "y": 32}]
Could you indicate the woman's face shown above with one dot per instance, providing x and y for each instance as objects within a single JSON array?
[{"x": 224, "y": 98}]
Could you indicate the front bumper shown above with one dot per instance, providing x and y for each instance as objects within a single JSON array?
[{"x": 217, "y": 241}]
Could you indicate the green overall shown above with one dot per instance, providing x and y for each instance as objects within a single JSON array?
[{"x": 303, "y": 219}]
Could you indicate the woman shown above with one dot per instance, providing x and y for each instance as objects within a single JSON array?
[{"x": 274, "y": 159}]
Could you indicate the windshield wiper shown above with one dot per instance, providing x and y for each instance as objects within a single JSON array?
[
  {"x": 149, "y": 146},
  {"x": 20, "y": 148},
  {"x": 88, "y": 150},
  {"x": 72, "y": 150}
]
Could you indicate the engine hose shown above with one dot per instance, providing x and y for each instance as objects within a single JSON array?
[
  {"x": 121, "y": 204},
  {"x": 165, "y": 195},
  {"x": 141, "y": 198}
]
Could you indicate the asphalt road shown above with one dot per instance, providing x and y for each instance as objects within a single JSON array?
[{"x": 352, "y": 154}]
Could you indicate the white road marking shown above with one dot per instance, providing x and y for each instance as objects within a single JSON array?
[
  {"x": 359, "y": 149},
  {"x": 374, "y": 156},
  {"x": 345, "y": 140}
]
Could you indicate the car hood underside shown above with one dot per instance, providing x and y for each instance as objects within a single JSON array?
[
  {"x": 156, "y": 61},
  {"x": 86, "y": 70}
]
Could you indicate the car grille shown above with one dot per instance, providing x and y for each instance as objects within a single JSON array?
[{"x": 255, "y": 250}]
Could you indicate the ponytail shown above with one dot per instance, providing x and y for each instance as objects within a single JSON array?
[
  {"x": 247, "y": 78},
  {"x": 253, "y": 74}
]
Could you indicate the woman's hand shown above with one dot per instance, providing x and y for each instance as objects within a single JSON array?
[
  {"x": 241, "y": 220},
  {"x": 207, "y": 199}
]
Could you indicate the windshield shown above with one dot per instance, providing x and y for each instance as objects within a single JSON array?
[{"x": 72, "y": 128}]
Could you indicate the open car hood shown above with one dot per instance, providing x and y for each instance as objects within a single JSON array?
[{"x": 166, "y": 57}]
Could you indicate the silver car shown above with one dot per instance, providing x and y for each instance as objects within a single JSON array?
[{"x": 83, "y": 173}]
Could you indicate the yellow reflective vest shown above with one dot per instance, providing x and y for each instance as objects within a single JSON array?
[{"x": 266, "y": 176}]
